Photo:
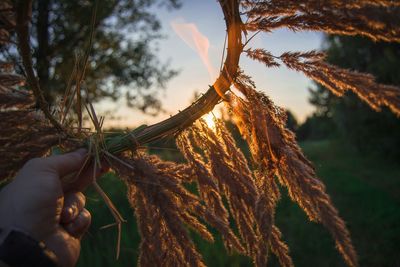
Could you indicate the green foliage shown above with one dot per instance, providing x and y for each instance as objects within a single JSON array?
[
  {"x": 122, "y": 59},
  {"x": 99, "y": 245},
  {"x": 369, "y": 131},
  {"x": 316, "y": 127},
  {"x": 365, "y": 189},
  {"x": 291, "y": 122}
]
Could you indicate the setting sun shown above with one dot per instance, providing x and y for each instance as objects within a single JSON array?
[{"x": 209, "y": 118}]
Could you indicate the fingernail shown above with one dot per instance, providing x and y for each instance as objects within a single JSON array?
[
  {"x": 67, "y": 213},
  {"x": 75, "y": 210}
]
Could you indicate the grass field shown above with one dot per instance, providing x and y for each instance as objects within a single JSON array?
[{"x": 365, "y": 189}]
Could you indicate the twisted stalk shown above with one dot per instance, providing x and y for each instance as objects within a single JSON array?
[
  {"x": 205, "y": 103},
  {"x": 117, "y": 143}
]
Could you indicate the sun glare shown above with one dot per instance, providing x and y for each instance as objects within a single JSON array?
[{"x": 209, "y": 118}]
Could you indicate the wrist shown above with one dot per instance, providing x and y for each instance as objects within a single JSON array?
[
  {"x": 19, "y": 249},
  {"x": 6, "y": 209},
  {"x": 12, "y": 216}
]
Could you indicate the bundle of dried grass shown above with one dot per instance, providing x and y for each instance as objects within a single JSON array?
[
  {"x": 275, "y": 150},
  {"x": 252, "y": 210},
  {"x": 236, "y": 198},
  {"x": 24, "y": 133},
  {"x": 7, "y": 20},
  {"x": 377, "y": 20},
  {"x": 338, "y": 80},
  {"x": 164, "y": 207}
]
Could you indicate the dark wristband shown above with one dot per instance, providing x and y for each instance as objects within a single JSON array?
[{"x": 20, "y": 250}]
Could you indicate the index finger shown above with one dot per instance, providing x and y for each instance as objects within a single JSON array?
[{"x": 79, "y": 181}]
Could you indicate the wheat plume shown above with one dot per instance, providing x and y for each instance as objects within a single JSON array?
[
  {"x": 7, "y": 20},
  {"x": 21, "y": 126},
  {"x": 24, "y": 133},
  {"x": 377, "y": 20},
  {"x": 250, "y": 207},
  {"x": 238, "y": 187},
  {"x": 158, "y": 197},
  {"x": 207, "y": 186},
  {"x": 155, "y": 190},
  {"x": 282, "y": 155},
  {"x": 262, "y": 56},
  {"x": 338, "y": 80}
]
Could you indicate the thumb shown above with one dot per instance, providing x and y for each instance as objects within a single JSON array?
[{"x": 60, "y": 164}]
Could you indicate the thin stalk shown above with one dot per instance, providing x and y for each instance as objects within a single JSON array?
[
  {"x": 204, "y": 104},
  {"x": 121, "y": 142}
]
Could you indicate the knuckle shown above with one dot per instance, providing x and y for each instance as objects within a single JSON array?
[
  {"x": 87, "y": 216},
  {"x": 81, "y": 198},
  {"x": 75, "y": 156},
  {"x": 33, "y": 163}
]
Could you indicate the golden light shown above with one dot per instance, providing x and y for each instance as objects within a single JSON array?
[
  {"x": 191, "y": 35},
  {"x": 209, "y": 119}
]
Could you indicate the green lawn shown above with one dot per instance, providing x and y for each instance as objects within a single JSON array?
[{"x": 365, "y": 189}]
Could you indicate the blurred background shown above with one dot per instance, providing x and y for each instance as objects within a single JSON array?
[{"x": 150, "y": 58}]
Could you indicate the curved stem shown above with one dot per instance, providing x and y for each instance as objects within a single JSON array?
[
  {"x": 171, "y": 125},
  {"x": 205, "y": 103}
]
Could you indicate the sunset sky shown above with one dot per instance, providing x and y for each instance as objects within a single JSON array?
[{"x": 286, "y": 88}]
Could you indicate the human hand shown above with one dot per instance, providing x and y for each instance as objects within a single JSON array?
[{"x": 38, "y": 203}]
